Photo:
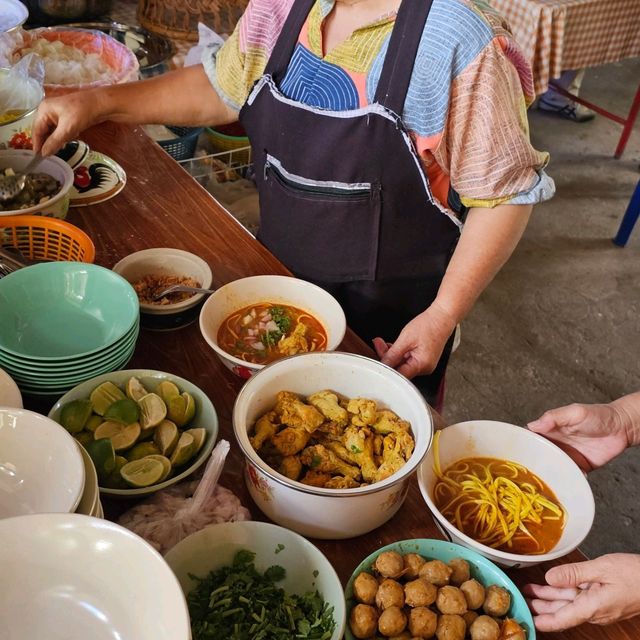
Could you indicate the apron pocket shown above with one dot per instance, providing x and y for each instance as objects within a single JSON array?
[{"x": 321, "y": 230}]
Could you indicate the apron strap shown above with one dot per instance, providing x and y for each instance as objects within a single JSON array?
[
  {"x": 288, "y": 39},
  {"x": 401, "y": 54}
]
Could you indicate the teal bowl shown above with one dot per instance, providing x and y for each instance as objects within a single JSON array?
[
  {"x": 64, "y": 310},
  {"x": 205, "y": 417},
  {"x": 483, "y": 570}
]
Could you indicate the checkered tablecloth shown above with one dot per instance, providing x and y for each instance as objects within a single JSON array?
[{"x": 572, "y": 34}]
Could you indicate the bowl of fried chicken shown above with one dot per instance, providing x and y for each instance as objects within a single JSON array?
[{"x": 330, "y": 441}]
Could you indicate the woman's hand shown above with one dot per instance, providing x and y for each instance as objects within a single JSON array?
[
  {"x": 599, "y": 591},
  {"x": 592, "y": 434},
  {"x": 420, "y": 344}
]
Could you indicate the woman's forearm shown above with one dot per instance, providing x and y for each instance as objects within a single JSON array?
[{"x": 488, "y": 239}]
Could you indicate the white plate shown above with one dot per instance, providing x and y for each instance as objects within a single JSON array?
[{"x": 9, "y": 393}]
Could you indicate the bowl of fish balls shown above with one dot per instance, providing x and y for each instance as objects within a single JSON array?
[{"x": 422, "y": 589}]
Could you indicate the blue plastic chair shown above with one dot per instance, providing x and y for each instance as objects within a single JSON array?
[{"x": 629, "y": 220}]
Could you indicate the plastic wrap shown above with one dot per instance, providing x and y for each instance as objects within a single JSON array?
[{"x": 21, "y": 88}]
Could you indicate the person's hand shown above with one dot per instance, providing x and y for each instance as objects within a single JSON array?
[
  {"x": 592, "y": 434},
  {"x": 63, "y": 118},
  {"x": 419, "y": 345},
  {"x": 599, "y": 591}
]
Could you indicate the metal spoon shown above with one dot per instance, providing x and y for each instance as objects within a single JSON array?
[
  {"x": 180, "y": 288},
  {"x": 11, "y": 186}
]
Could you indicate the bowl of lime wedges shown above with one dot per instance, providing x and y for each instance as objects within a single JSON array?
[{"x": 144, "y": 430}]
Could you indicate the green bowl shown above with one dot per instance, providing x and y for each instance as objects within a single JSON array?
[
  {"x": 205, "y": 417},
  {"x": 59, "y": 311},
  {"x": 483, "y": 570}
]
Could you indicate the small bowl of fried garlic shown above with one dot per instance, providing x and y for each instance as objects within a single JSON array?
[{"x": 330, "y": 440}]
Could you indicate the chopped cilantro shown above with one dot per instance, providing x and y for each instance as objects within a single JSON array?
[
  {"x": 316, "y": 573},
  {"x": 270, "y": 338},
  {"x": 279, "y": 548},
  {"x": 315, "y": 461},
  {"x": 280, "y": 316},
  {"x": 355, "y": 449}
]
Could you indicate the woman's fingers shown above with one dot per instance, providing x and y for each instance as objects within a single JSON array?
[
  {"x": 565, "y": 617},
  {"x": 545, "y": 592},
  {"x": 568, "y": 416},
  {"x": 541, "y": 607},
  {"x": 572, "y": 575}
]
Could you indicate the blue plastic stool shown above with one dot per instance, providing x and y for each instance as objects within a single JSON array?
[{"x": 629, "y": 220}]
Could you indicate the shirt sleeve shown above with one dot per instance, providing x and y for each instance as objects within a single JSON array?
[{"x": 485, "y": 147}]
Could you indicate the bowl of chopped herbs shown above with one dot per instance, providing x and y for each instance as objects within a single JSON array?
[{"x": 257, "y": 581}]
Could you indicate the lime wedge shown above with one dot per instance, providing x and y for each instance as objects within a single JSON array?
[
  {"x": 184, "y": 450},
  {"x": 166, "y": 437},
  {"x": 165, "y": 462},
  {"x": 93, "y": 423},
  {"x": 182, "y": 409},
  {"x": 153, "y": 410},
  {"x": 167, "y": 390},
  {"x": 142, "y": 450},
  {"x": 125, "y": 411},
  {"x": 105, "y": 395},
  {"x": 103, "y": 456},
  {"x": 135, "y": 389},
  {"x": 123, "y": 436},
  {"x": 115, "y": 479},
  {"x": 199, "y": 436},
  {"x": 84, "y": 438},
  {"x": 142, "y": 473},
  {"x": 74, "y": 415}
]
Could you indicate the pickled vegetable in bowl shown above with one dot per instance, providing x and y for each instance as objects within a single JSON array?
[{"x": 39, "y": 188}]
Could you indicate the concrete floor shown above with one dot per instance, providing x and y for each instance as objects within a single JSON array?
[{"x": 561, "y": 322}]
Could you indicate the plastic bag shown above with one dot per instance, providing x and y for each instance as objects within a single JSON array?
[
  {"x": 21, "y": 87},
  {"x": 207, "y": 39},
  {"x": 173, "y": 514}
]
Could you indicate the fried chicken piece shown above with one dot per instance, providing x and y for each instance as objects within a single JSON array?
[
  {"x": 295, "y": 413},
  {"x": 329, "y": 431},
  {"x": 296, "y": 342},
  {"x": 363, "y": 411},
  {"x": 392, "y": 458},
  {"x": 339, "y": 449},
  {"x": 291, "y": 440},
  {"x": 359, "y": 444},
  {"x": 265, "y": 427},
  {"x": 388, "y": 422},
  {"x": 327, "y": 403},
  {"x": 341, "y": 482},
  {"x": 316, "y": 478},
  {"x": 291, "y": 467},
  {"x": 319, "y": 458}
]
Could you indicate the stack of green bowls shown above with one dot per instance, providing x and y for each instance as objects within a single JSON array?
[{"x": 65, "y": 322}]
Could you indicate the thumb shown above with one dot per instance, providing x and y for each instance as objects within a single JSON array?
[
  {"x": 395, "y": 355},
  {"x": 568, "y": 416},
  {"x": 576, "y": 574}
]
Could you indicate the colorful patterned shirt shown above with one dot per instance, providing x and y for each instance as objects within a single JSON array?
[{"x": 466, "y": 105}]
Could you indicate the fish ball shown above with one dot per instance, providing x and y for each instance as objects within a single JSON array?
[
  {"x": 392, "y": 621},
  {"x": 497, "y": 601},
  {"x": 485, "y": 628},
  {"x": 363, "y": 621},
  {"x": 469, "y": 618},
  {"x": 420, "y": 593},
  {"x": 365, "y": 587},
  {"x": 412, "y": 564},
  {"x": 474, "y": 593},
  {"x": 450, "y": 628},
  {"x": 451, "y": 600},
  {"x": 436, "y": 572},
  {"x": 422, "y": 622},
  {"x": 390, "y": 594},
  {"x": 460, "y": 571},
  {"x": 389, "y": 564}
]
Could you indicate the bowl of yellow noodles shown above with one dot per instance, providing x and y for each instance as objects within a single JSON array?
[{"x": 505, "y": 492}]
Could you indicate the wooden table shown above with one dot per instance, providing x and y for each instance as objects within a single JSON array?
[{"x": 163, "y": 206}]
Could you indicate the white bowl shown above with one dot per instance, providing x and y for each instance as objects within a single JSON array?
[
  {"x": 486, "y": 438},
  {"x": 278, "y": 289},
  {"x": 169, "y": 262},
  {"x": 215, "y": 546},
  {"x": 41, "y": 469},
  {"x": 319, "y": 512},
  {"x": 76, "y": 577},
  {"x": 10, "y": 395},
  {"x": 58, "y": 205},
  {"x": 88, "y": 504}
]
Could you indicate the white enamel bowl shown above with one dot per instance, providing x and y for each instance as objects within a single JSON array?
[
  {"x": 485, "y": 438},
  {"x": 307, "y": 569},
  {"x": 41, "y": 468},
  {"x": 318, "y": 512},
  {"x": 10, "y": 395},
  {"x": 73, "y": 577},
  {"x": 277, "y": 289}
]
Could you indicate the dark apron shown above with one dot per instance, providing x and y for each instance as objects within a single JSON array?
[{"x": 344, "y": 199}]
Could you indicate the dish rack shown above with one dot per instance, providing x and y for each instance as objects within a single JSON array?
[{"x": 221, "y": 165}]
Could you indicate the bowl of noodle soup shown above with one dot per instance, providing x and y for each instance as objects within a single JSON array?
[
  {"x": 546, "y": 506},
  {"x": 254, "y": 321}
]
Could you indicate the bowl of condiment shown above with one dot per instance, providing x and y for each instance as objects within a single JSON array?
[
  {"x": 330, "y": 441},
  {"x": 19, "y": 100},
  {"x": 151, "y": 271},
  {"x": 47, "y": 189},
  {"x": 506, "y": 492},
  {"x": 423, "y": 588},
  {"x": 259, "y": 579},
  {"x": 254, "y": 321}
]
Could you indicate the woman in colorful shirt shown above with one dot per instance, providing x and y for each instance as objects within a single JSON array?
[{"x": 392, "y": 152}]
